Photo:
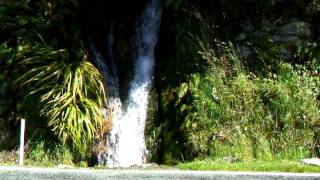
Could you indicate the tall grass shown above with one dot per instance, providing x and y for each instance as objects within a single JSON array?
[
  {"x": 42, "y": 153},
  {"x": 231, "y": 112}
]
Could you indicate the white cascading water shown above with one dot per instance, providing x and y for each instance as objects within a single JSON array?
[
  {"x": 131, "y": 149},
  {"x": 126, "y": 146}
]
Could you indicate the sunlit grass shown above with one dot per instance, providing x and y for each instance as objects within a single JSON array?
[{"x": 256, "y": 166}]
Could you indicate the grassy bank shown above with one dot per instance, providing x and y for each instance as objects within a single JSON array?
[{"x": 263, "y": 166}]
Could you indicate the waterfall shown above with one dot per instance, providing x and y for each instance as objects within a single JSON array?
[
  {"x": 126, "y": 146},
  {"x": 131, "y": 147}
]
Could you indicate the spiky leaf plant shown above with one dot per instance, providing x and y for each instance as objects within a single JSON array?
[{"x": 71, "y": 93}]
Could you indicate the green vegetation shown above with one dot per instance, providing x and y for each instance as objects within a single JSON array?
[
  {"x": 260, "y": 107},
  {"x": 43, "y": 154},
  {"x": 234, "y": 79},
  {"x": 72, "y": 93},
  {"x": 47, "y": 77},
  {"x": 229, "y": 112},
  {"x": 260, "y": 166}
]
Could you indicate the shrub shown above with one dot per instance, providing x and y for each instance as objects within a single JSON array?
[
  {"x": 229, "y": 111},
  {"x": 71, "y": 94}
]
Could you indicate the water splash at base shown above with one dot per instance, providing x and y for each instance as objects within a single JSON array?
[{"x": 126, "y": 146}]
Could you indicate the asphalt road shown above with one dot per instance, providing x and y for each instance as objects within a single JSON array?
[{"x": 10, "y": 173}]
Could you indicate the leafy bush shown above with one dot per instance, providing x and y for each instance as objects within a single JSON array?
[{"x": 71, "y": 93}]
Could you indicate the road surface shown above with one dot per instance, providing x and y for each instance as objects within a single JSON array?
[{"x": 21, "y": 173}]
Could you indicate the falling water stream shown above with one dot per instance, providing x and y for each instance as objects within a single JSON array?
[{"x": 126, "y": 146}]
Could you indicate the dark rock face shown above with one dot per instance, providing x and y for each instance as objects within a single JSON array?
[
  {"x": 291, "y": 36},
  {"x": 288, "y": 36}
]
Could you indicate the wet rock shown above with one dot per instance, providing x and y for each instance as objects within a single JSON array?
[
  {"x": 247, "y": 27},
  {"x": 297, "y": 28},
  {"x": 288, "y": 39},
  {"x": 294, "y": 34},
  {"x": 241, "y": 36},
  {"x": 244, "y": 51}
]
